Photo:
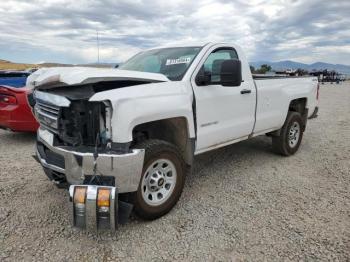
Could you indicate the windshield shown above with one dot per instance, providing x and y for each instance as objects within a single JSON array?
[{"x": 171, "y": 62}]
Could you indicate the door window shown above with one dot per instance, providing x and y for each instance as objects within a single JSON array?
[{"x": 213, "y": 63}]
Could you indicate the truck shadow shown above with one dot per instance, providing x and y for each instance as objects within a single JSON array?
[
  {"x": 17, "y": 137},
  {"x": 232, "y": 160},
  {"x": 242, "y": 154}
]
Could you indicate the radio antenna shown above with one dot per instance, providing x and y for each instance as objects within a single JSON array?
[{"x": 98, "y": 47}]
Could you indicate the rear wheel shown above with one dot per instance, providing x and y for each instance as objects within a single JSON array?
[
  {"x": 162, "y": 179},
  {"x": 290, "y": 136}
]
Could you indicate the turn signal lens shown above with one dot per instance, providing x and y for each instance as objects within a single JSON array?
[
  {"x": 103, "y": 197},
  {"x": 103, "y": 202},
  {"x": 79, "y": 206},
  {"x": 79, "y": 195}
]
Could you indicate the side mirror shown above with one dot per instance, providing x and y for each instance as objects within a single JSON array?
[
  {"x": 231, "y": 73},
  {"x": 203, "y": 78}
]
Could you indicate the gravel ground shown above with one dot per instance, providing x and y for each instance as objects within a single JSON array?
[{"x": 241, "y": 202}]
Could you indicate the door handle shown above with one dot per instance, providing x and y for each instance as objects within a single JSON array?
[{"x": 246, "y": 91}]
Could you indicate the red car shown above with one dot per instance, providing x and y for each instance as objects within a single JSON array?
[{"x": 15, "y": 100}]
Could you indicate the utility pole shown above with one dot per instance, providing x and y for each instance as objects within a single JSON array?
[{"x": 98, "y": 47}]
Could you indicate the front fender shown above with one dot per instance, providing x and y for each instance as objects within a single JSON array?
[{"x": 146, "y": 103}]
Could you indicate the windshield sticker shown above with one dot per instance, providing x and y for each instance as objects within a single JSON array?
[{"x": 182, "y": 60}]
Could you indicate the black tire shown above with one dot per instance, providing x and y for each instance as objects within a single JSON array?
[
  {"x": 158, "y": 149},
  {"x": 280, "y": 144}
]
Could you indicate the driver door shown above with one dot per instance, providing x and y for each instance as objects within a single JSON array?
[{"x": 224, "y": 113}]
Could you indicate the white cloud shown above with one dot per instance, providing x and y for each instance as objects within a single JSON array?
[{"x": 65, "y": 30}]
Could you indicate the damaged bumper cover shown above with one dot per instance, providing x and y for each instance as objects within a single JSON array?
[{"x": 126, "y": 168}]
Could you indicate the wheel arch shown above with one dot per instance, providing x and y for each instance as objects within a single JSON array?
[
  {"x": 175, "y": 130},
  {"x": 300, "y": 105}
]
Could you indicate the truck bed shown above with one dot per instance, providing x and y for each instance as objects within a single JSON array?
[
  {"x": 263, "y": 76},
  {"x": 274, "y": 93}
]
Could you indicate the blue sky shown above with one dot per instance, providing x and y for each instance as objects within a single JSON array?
[{"x": 65, "y": 31}]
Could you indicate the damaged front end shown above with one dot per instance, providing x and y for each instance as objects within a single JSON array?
[
  {"x": 75, "y": 143},
  {"x": 75, "y": 148}
]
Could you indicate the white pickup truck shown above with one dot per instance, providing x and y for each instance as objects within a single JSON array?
[{"x": 126, "y": 137}]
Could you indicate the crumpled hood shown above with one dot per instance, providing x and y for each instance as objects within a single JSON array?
[{"x": 50, "y": 77}]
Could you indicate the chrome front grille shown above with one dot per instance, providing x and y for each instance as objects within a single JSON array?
[{"x": 47, "y": 115}]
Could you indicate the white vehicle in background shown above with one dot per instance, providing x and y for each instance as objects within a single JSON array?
[{"x": 126, "y": 137}]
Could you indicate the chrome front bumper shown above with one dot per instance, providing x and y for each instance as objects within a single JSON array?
[{"x": 125, "y": 168}]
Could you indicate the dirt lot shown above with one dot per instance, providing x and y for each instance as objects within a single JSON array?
[{"x": 241, "y": 202}]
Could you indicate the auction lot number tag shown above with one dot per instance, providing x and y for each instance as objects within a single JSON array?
[{"x": 182, "y": 60}]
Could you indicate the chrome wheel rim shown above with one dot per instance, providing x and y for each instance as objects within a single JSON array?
[
  {"x": 158, "y": 182},
  {"x": 294, "y": 134}
]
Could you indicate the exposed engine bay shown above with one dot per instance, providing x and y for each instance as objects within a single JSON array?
[{"x": 82, "y": 122}]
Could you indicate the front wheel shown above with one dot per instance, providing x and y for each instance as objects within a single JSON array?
[
  {"x": 291, "y": 135},
  {"x": 162, "y": 179}
]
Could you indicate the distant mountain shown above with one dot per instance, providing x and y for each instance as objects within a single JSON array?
[
  {"x": 49, "y": 64},
  {"x": 108, "y": 65},
  {"x": 102, "y": 65},
  {"x": 288, "y": 64},
  {"x": 8, "y": 65}
]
